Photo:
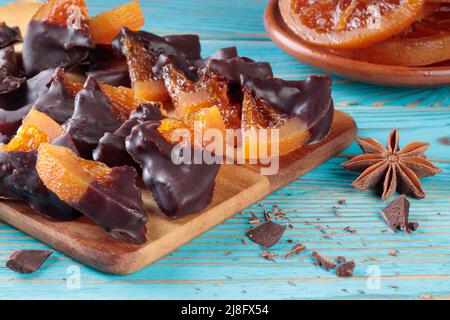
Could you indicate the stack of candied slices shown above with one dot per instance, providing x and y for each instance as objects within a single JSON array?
[{"x": 87, "y": 109}]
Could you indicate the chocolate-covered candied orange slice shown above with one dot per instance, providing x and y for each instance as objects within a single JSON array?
[
  {"x": 224, "y": 78},
  {"x": 301, "y": 112},
  {"x": 179, "y": 189},
  {"x": 143, "y": 49},
  {"x": 122, "y": 100},
  {"x": 18, "y": 176},
  {"x": 111, "y": 148},
  {"x": 58, "y": 36},
  {"x": 93, "y": 116},
  {"x": 106, "y": 26},
  {"x": 58, "y": 102},
  {"x": 108, "y": 196}
]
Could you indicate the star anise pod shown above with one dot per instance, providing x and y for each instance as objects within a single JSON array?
[{"x": 390, "y": 167}]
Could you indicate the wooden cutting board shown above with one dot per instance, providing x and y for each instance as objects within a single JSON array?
[{"x": 237, "y": 187}]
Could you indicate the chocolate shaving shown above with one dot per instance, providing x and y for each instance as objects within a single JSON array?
[
  {"x": 396, "y": 214},
  {"x": 269, "y": 255},
  {"x": 297, "y": 249},
  {"x": 323, "y": 262},
  {"x": 266, "y": 234},
  {"x": 27, "y": 261},
  {"x": 444, "y": 141},
  {"x": 350, "y": 229}
]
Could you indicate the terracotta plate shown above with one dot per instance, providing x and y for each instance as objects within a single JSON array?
[{"x": 280, "y": 33}]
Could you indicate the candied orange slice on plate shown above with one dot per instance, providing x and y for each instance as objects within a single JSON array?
[
  {"x": 426, "y": 42},
  {"x": 349, "y": 24}
]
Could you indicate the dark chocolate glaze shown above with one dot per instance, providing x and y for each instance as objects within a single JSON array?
[
  {"x": 28, "y": 92},
  {"x": 66, "y": 141},
  {"x": 188, "y": 44},
  {"x": 58, "y": 102},
  {"x": 19, "y": 180},
  {"x": 49, "y": 45},
  {"x": 234, "y": 70},
  {"x": 111, "y": 149},
  {"x": 11, "y": 77},
  {"x": 116, "y": 76},
  {"x": 309, "y": 100},
  {"x": 92, "y": 118},
  {"x": 9, "y": 36},
  {"x": 10, "y": 121},
  {"x": 221, "y": 54},
  {"x": 117, "y": 207},
  {"x": 179, "y": 190}
]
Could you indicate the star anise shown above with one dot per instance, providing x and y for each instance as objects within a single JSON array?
[{"x": 390, "y": 167}]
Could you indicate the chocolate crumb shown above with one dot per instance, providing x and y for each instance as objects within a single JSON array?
[
  {"x": 269, "y": 255},
  {"x": 323, "y": 262},
  {"x": 444, "y": 141},
  {"x": 413, "y": 226},
  {"x": 266, "y": 234},
  {"x": 349, "y": 229},
  {"x": 345, "y": 268},
  {"x": 227, "y": 253},
  {"x": 297, "y": 249},
  {"x": 341, "y": 202},
  {"x": 321, "y": 229},
  {"x": 254, "y": 219},
  {"x": 27, "y": 261},
  {"x": 244, "y": 242},
  {"x": 394, "y": 253}
]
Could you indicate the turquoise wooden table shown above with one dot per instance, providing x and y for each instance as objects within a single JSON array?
[{"x": 219, "y": 265}]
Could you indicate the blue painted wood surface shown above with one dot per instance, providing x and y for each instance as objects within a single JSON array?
[{"x": 218, "y": 264}]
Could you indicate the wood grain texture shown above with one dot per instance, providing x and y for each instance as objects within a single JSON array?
[{"x": 217, "y": 265}]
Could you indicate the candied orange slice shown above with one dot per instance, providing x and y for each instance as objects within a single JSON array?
[
  {"x": 349, "y": 24},
  {"x": 70, "y": 13},
  {"x": 426, "y": 42},
  {"x": 230, "y": 110},
  {"x": 190, "y": 102},
  {"x": 36, "y": 128},
  {"x": 66, "y": 174},
  {"x": 122, "y": 99},
  {"x": 168, "y": 126},
  {"x": 151, "y": 90},
  {"x": 106, "y": 26}
]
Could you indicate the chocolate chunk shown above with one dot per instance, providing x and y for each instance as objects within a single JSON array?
[
  {"x": 111, "y": 148},
  {"x": 11, "y": 77},
  {"x": 9, "y": 36},
  {"x": 66, "y": 141},
  {"x": 27, "y": 261},
  {"x": 323, "y": 262},
  {"x": 396, "y": 214},
  {"x": 58, "y": 102},
  {"x": 221, "y": 54},
  {"x": 19, "y": 181},
  {"x": 309, "y": 100},
  {"x": 117, "y": 207},
  {"x": 344, "y": 268},
  {"x": 48, "y": 45},
  {"x": 266, "y": 234},
  {"x": 92, "y": 118},
  {"x": 10, "y": 120},
  {"x": 178, "y": 189},
  {"x": 297, "y": 249},
  {"x": 27, "y": 93}
]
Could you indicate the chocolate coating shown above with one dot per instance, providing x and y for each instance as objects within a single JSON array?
[
  {"x": 116, "y": 207},
  {"x": 19, "y": 180},
  {"x": 9, "y": 36},
  {"x": 188, "y": 44},
  {"x": 309, "y": 100},
  {"x": 111, "y": 149},
  {"x": 221, "y": 54},
  {"x": 179, "y": 190},
  {"x": 58, "y": 102},
  {"x": 49, "y": 45},
  {"x": 10, "y": 121},
  {"x": 11, "y": 77},
  {"x": 27, "y": 93},
  {"x": 234, "y": 70},
  {"x": 93, "y": 116},
  {"x": 116, "y": 76}
]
